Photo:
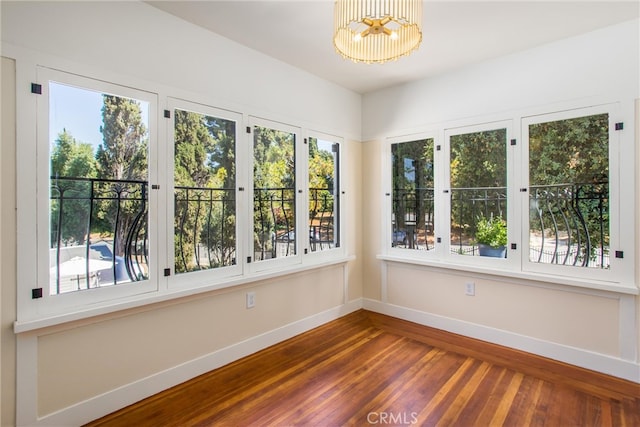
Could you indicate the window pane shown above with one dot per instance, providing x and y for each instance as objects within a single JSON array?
[
  {"x": 323, "y": 195},
  {"x": 478, "y": 193},
  {"x": 274, "y": 196},
  {"x": 569, "y": 193},
  {"x": 204, "y": 191},
  {"x": 412, "y": 221},
  {"x": 98, "y": 189}
]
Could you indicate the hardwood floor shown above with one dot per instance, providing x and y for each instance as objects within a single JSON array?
[{"x": 370, "y": 369}]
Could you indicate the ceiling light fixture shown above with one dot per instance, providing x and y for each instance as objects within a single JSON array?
[{"x": 377, "y": 31}]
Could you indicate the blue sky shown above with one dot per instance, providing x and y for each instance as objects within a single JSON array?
[{"x": 79, "y": 112}]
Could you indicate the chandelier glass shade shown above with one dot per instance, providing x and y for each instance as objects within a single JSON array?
[{"x": 377, "y": 31}]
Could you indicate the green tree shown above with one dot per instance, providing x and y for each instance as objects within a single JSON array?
[
  {"x": 479, "y": 159},
  {"x": 570, "y": 159},
  {"x": 478, "y": 178},
  {"x": 122, "y": 156},
  {"x": 321, "y": 179},
  {"x": 205, "y": 205},
  {"x": 274, "y": 186},
  {"x": 192, "y": 140},
  {"x": 71, "y": 159},
  {"x": 413, "y": 181},
  {"x": 220, "y": 230},
  {"x": 569, "y": 151}
]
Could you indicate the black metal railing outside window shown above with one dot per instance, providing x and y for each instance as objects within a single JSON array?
[
  {"x": 205, "y": 228},
  {"x": 99, "y": 232},
  {"x": 468, "y": 206},
  {"x": 568, "y": 224},
  {"x": 274, "y": 213},
  {"x": 413, "y": 222}
]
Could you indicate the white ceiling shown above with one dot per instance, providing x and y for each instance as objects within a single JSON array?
[{"x": 455, "y": 33}]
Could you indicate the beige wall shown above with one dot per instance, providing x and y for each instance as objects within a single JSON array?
[
  {"x": 353, "y": 226},
  {"x": 85, "y": 359},
  {"x": 7, "y": 245},
  {"x": 560, "y": 316},
  {"x": 372, "y": 218}
]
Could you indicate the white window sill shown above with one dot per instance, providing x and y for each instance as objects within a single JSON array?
[
  {"x": 620, "y": 288},
  {"x": 142, "y": 300}
]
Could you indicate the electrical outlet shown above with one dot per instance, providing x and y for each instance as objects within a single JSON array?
[
  {"x": 251, "y": 299},
  {"x": 470, "y": 289}
]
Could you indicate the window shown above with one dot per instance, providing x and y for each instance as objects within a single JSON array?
[
  {"x": 274, "y": 192},
  {"x": 205, "y": 226},
  {"x": 569, "y": 190},
  {"x": 413, "y": 182},
  {"x": 546, "y": 203},
  {"x": 478, "y": 185},
  {"x": 111, "y": 224},
  {"x": 93, "y": 174},
  {"x": 98, "y": 188},
  {"x": 324, "y": 194}
]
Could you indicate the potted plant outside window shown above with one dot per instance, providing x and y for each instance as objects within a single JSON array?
[{"x": 491, "y": 236}]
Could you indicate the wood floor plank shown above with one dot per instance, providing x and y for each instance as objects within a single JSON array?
[
  {"x": 369, "y": 369},
  {"x": 506, "y": 401}
]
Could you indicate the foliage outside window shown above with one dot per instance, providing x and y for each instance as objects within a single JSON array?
[
  {"x": 413, "y": 211},
  {"x": 98, "y": 191},
  {"x": 204, "y": 191},
  {"x": 569, "y": 192},
  {"x": 478, "y": 180},
  {"x": 324, "y": 195},
  {"x": 274, "y": 194}
]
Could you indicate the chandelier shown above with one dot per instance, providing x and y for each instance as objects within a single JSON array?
[{"x": 377, "y": 31}]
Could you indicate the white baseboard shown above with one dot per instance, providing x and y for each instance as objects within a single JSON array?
[
  {"x": 118, "y": 398},
  {"x": 605, "y": 364}
]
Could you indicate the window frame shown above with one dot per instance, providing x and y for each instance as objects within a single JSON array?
[
  {"x": 203, "y": 277},
  {"x": 619, "y": 278},
  {"x": 336, "y": 252},
  {"x": 33, "y": 201},
  {"x": 300, "y": 192},
  {"x": 614, "y": 273},
  {"x": 387, "y": 174},
  {"x": 50, "y": 304},
  {"x": 488, "y": 262}
]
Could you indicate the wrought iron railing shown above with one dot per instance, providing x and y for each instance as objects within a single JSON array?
[
  {"x": 569, "y": 223},
  {"x": 322, "y": 219},
  {"x": 85, "y": 212},
  {"x": 106, "y": 220},
  {"x": 204, "y": 228},
  {"x": 468, "y": 205},
  {"x": 413, "y": 216},
  {"x": 275, "y": 227}
]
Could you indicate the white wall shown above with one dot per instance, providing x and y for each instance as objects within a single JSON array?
[
  {"x": 594, "y": 329},
  {"x": 74, "y": 372},
  {"x": 148, "y": 44},
  {"x": 600, "y": 64}
]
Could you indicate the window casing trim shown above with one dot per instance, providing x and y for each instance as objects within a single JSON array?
[
  {"x": 50, "y": 304},
  {"x": 622, "y": 164},
  {"x": 628, "y": 288},
  {"x": 143, "y": 300},
  {"x": 88, "y": 304}
]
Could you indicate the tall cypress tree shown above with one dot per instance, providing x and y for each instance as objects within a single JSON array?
[{"x": 123, "y": 156}]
